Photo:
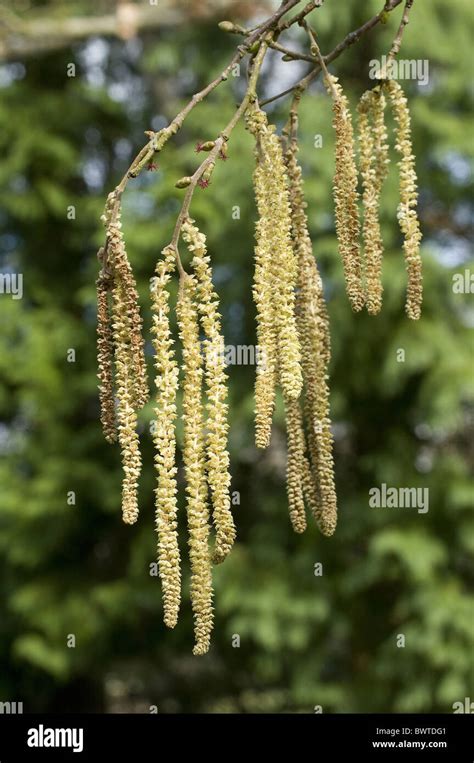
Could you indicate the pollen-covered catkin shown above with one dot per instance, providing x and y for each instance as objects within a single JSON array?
[
  {"x": 105, "y": 357},
  {"x": 126, "y": 413},
  {"x": 265, "y": 380},
  {"x": 313, "y": 326},
  {"x": 320, "y": 437},
  {"x": 373, "y": 152},
  {"x": 346, "y": 196},
  {"x": 407, "y": 216},
  {"x": 123, "y": 273},
  {"x": 275, "y": 259},
  {"x": 217, "y": 427},
  {"x": 164, "y": 437},
  {"x": 195, "y": 468},
  {"x": 295, "y": 464}
]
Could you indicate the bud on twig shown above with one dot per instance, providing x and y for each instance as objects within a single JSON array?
[
  {"x": 228, "y": 26},
  {"x": 183, "y": 182}
]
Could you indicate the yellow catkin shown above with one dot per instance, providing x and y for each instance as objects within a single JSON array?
[
  {"x": 275, "y": 251},
  {"x": 346, "y": 196},
  {"x": 313, "y": 326},
  {"x": 373, "y": 152},
  {"x": 380, "y": 134},
  {"x": 105, "y": 357},
  {"x": 217, "y": 427},
  {"x": 317, "y": 397},
  {"x": 265, "y": 380},
  {"x": 126, "y": 413},
  {"x": 164, "y": 437},
  {"x": 295, "y": 464},
  {"x": 123, "y": 273},
  {"x": 195, "y": 468},
  {"x": 407, "y": 216}
]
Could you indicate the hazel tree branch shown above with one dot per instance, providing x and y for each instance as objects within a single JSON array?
[
  {"x": 349, "y": 40},
  {"x": 256, "y": 42},
  {"x": 394, "y": 50},
  {"x": 208, "y": 164}
]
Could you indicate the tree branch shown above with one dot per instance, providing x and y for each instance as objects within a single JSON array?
[{"x": 349, "y": 40}]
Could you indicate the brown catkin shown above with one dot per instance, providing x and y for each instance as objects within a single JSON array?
[
  {"x": 313, "y": 326},
  {"x": 105, "y": 358},
  {"x": 275, "y": 250},
  {"x": 373, "y": 152},
  {"x": 218, "y": 460},
  {"x": 195, "y": 468},
  {"x": 346, "y": 196},
  {"x": 164, "y": 437},
  {"x": 407, "y": 216},
  {"x": 123, "y": 273},
  {"x": 126, "y": 413}
]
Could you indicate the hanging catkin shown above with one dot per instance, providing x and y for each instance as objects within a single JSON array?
[
  {"x": 346, "y": 195},
  {"x": 105, "y": 358},
  {"x": 295, "y": 464},
  {"x": 164, "y": 437},
  {"x": 123, "y": 275},
  {"x": 373, "y": 151},
  {"x": 126, "y": 412},
  {"x": 265, "y": 380},
  {"x": 276, "y": 266},
  {"x": 217, "y": 427},
  {"x": 194, "y": 462},
  {"x": 318, "y": 475},
  {"x": 407, "y": 216}
]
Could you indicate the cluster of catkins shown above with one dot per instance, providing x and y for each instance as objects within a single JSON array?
[
  {"x": 363, "y": 267},
  {"x": 204, "y": 411},
  {"x": 123, "y": 391},
  {"x": 122, "y": 369},
  {"x": 292, "y": 329}
]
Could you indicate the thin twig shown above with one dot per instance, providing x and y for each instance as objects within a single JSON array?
[
  {"x": 298, "y": 17},
  {"x": 394, "y": 50},
  {"x": 349, "y": 40},
  {"x": 159, "y": 139},
  {"x": 249, "y": 96},
  {"x": 317, "y": 53}
]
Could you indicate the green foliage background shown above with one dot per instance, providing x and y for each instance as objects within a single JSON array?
[{"x": 305, "y": 640}]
